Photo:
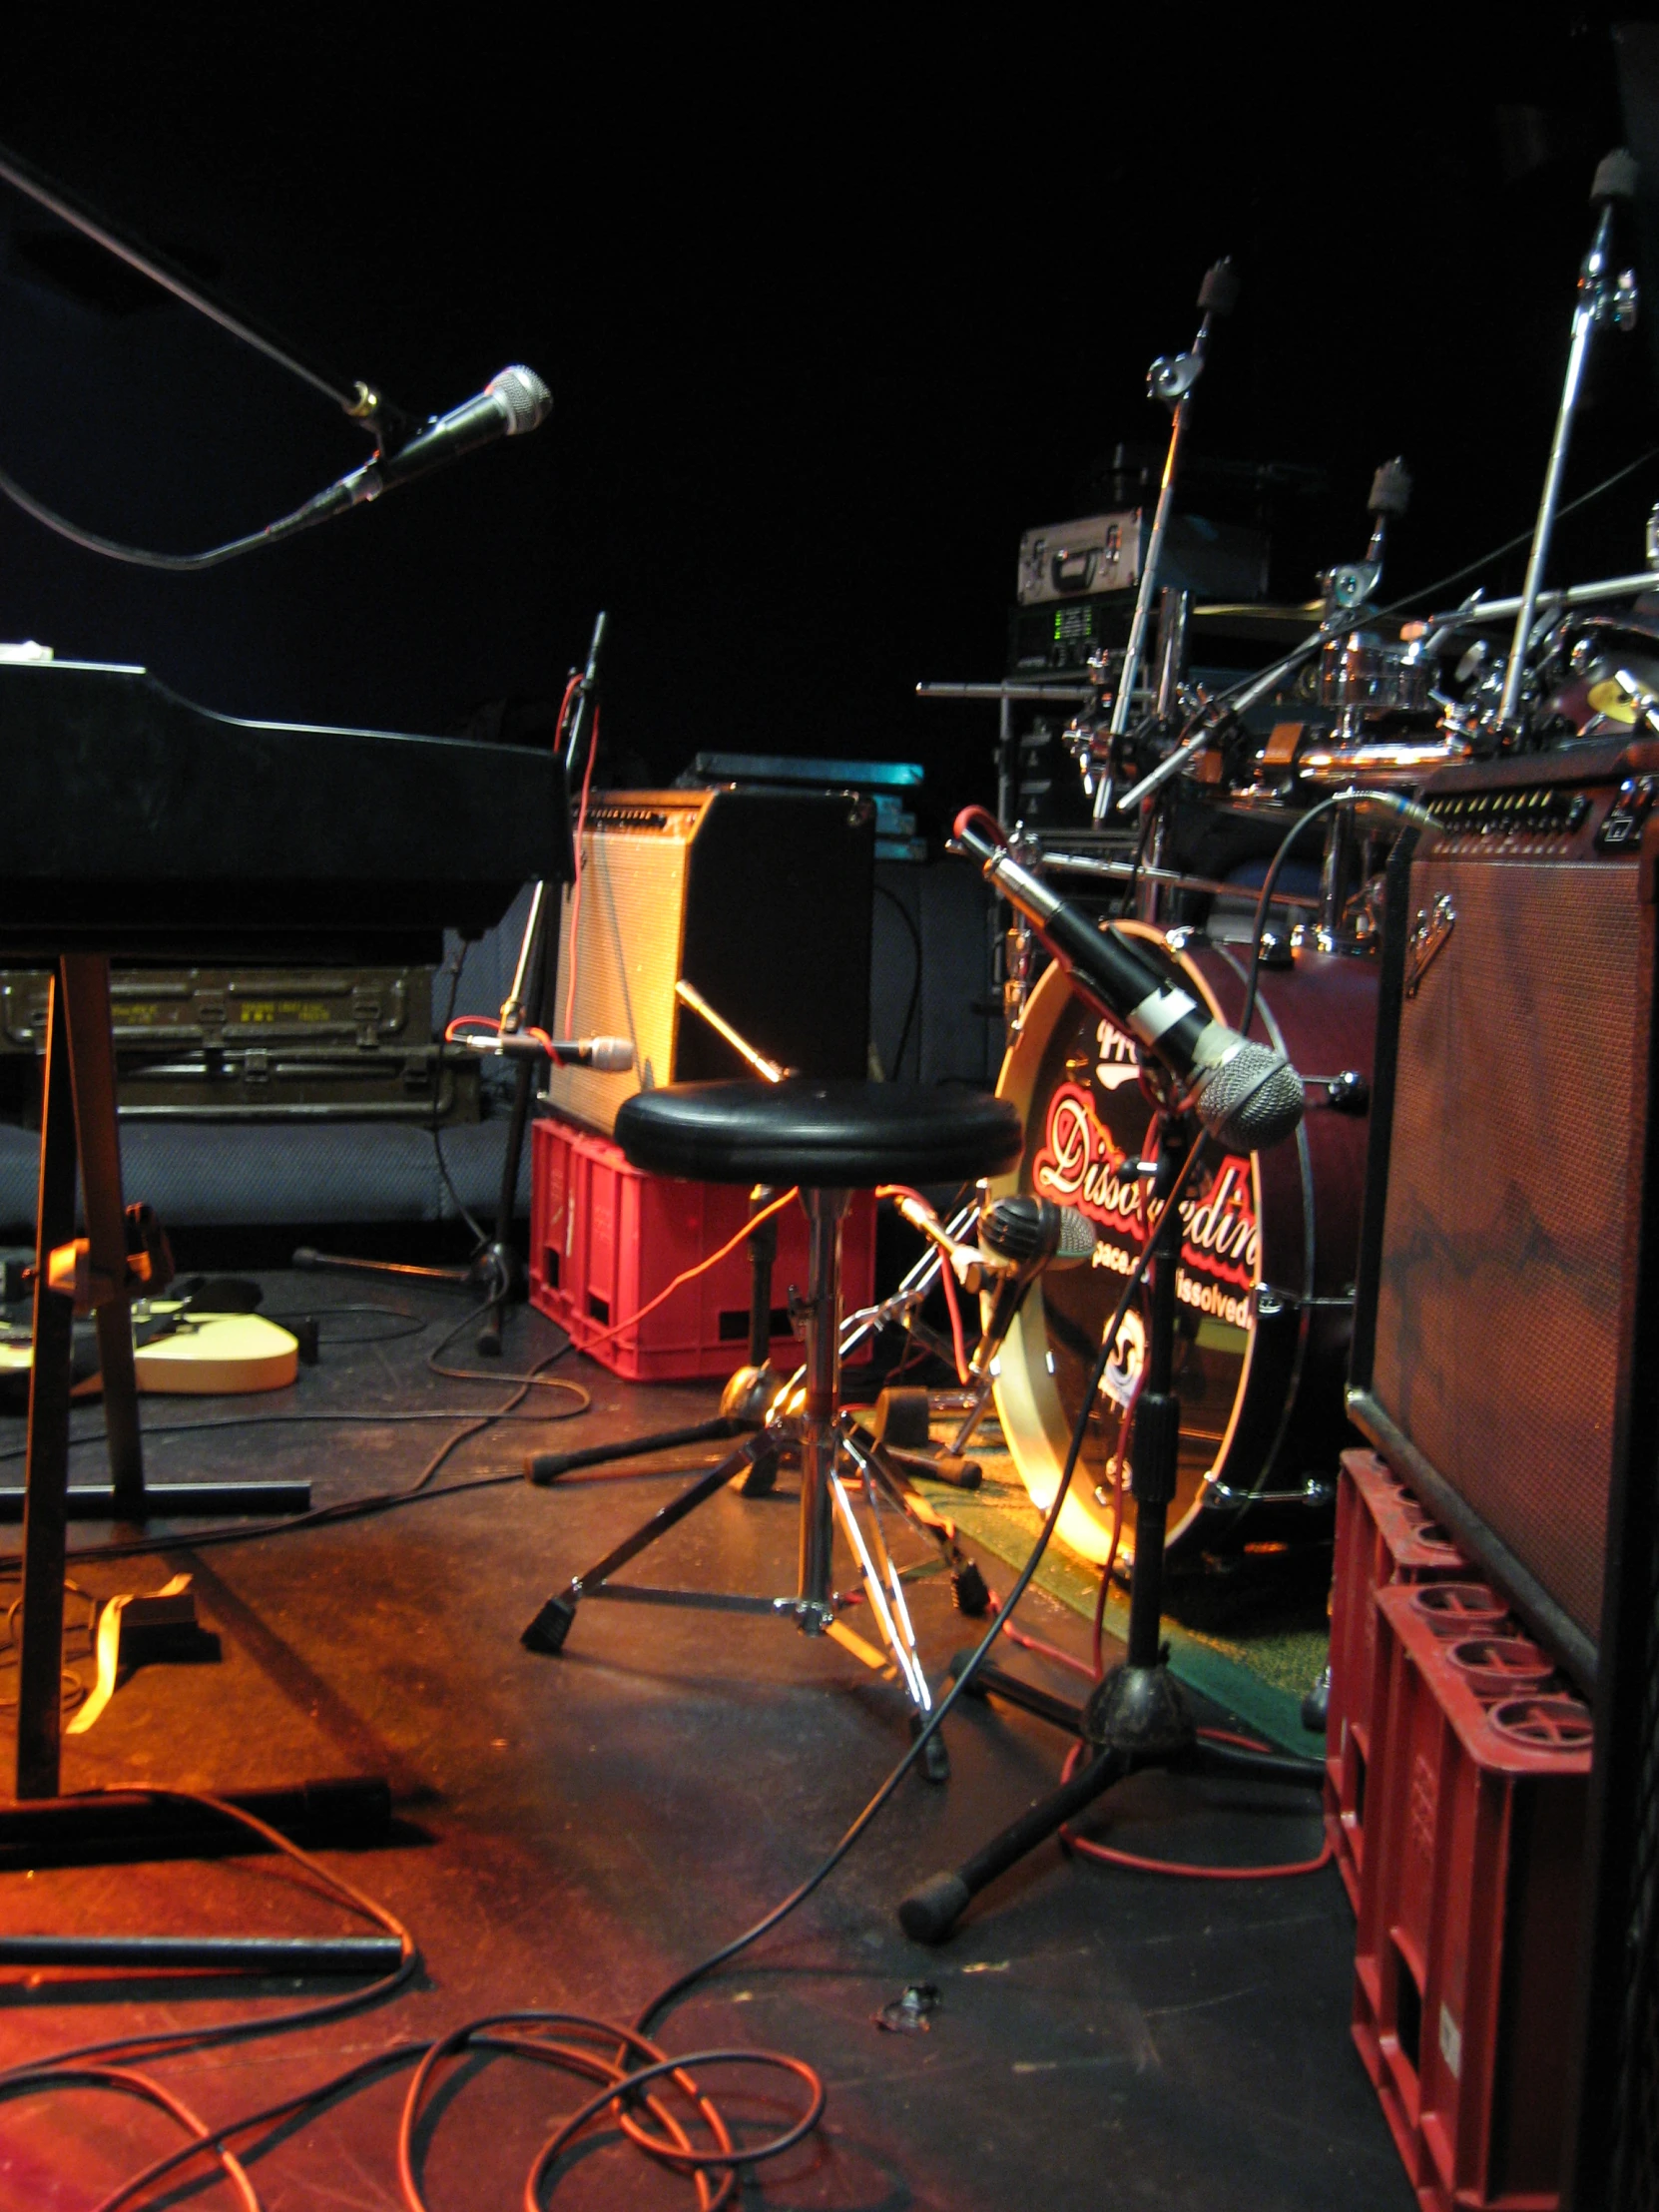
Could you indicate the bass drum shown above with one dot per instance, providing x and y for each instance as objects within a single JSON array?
[{"x": 1266, "y": 1281}]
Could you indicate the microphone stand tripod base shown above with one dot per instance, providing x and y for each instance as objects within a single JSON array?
[{"x": 1136, "y": 1715}]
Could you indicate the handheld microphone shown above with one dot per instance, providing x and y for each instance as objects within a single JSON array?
[
  {"x": 609, "y": 1055},
  {"x": 1247, "y": 1096},
  {"x": 511, "y": 403}
]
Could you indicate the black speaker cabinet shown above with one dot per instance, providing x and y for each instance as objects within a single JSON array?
[
  {"x": 761, "y": 899},
  {"x": 1506, "y": 1331}
]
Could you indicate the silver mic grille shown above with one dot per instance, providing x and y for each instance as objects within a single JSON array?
[
  {"x": 525, "y": 398},
  {"x": 1251, "y": 1098},
  {"x": 1077, "y": 1235},
  {"x": 612, "y": 1054}
]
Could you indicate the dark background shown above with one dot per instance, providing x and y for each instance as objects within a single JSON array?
[{"x": 829, "y": 320}]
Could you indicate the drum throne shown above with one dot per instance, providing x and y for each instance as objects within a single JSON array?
[{"x": 826, "y": 1139}]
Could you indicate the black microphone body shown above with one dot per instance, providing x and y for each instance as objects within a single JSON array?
[
  {"x": 511, "y": 402},
  {"x": 1246, "y": 1095}
]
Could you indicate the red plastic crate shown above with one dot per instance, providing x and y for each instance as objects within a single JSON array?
[
  {"x": 605, "y": 1238},
  {"x": 1382, "y": 1537},
  {"x": 1468, "y": 1926}
]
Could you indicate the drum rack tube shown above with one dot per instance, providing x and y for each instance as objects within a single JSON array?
[{"x": 1125, "y": 871}]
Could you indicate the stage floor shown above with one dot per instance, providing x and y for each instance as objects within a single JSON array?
[{"x": 572, "y": 1832}]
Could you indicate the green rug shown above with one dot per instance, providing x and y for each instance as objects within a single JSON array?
[{"x": 1254, "y": 1640}]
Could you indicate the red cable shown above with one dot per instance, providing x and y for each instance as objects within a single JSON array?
[
  {"x": 1113, "y": 1857},
  {"x": 947, "y": 1278}
]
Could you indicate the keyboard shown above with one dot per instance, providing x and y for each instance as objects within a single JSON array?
[{"x": 135, "y": 823}]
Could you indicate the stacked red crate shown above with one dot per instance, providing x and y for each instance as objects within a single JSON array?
[
  {"x": 1468, "y": 1915},
  {"x": 1384, "y": 1536},
  {"x": 606, "y": 1237}
]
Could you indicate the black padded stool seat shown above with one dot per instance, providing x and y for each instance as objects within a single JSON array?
[{"x": 824, "y": 1135}]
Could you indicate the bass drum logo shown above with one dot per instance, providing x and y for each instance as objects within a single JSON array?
[{"x": 1081, "y": 1163}]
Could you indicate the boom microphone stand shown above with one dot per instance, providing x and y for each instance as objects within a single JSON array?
[
  {"x": 1138, "y": 1716},
  {"x": 534, "y": 985}
]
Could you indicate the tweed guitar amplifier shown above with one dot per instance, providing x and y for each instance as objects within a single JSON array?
[
  {"x": 761, "y": 899},
  {"x": 1506, "y": 1328}
]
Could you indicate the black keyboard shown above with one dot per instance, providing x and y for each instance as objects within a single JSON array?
[{"x": 135, "y": 823}]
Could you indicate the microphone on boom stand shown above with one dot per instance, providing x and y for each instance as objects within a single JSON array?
[{"x": 1246, "y": 1095}]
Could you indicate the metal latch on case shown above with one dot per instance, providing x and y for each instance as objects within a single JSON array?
[{"x": 1430, "y": 934}]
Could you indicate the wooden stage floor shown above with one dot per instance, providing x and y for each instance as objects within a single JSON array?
[{"x": 572, "y": 1832}]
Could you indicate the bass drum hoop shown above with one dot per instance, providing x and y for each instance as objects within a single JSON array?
[{"x": 1035, "y": 1424}]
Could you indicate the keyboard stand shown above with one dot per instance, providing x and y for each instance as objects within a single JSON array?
[{"x": 78, "y": 1124}]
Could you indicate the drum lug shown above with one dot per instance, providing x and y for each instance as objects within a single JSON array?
[
  {"x": 1315, "y": 1494},
  {"x": 1270, "y": 1303}
]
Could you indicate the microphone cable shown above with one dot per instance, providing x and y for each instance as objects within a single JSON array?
[{"x": 681, "y": 1983}]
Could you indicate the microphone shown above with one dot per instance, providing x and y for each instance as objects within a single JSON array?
[
  {"x": 1023, "y": 1235},
  {"x": 512, "y": 402},
  {"x": 609, "y": 1055},
  {"x": 1034, "y": 1232},
  {"x": 1247, "y": 1096}
]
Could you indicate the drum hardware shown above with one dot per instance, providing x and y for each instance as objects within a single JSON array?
[
  {"x": 1174, "y": 613},
  {"x": 1263, "y": 1387},
  {"x": 1358, "y": 670},
  {"x": 1172, "y": 380},
  {"x": 1174, "y": 880},
  {"x": 1602, "y": 298},
  {"x": 1348, "y": 1093},
  {"x": 1137, "y": 1715},
  {"x": 1313, "y": 1495},
  {"x": 1354, "y": 584},
  {"x": 1477, "y": 609}
]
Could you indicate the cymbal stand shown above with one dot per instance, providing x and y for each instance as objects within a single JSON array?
[
  {"x": 1602, "y": 297},
  {"x": 1137, "y": 1716},
  {"x": 1171, "y": 380}
]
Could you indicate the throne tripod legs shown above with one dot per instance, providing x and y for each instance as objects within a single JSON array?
[{"x": 847, "y": 1481}]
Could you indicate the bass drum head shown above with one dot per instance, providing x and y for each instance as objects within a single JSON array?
[{"x": 1075, "y": 1079}]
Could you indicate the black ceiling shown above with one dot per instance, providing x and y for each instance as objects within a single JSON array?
[{"x": 828, "y": 320}]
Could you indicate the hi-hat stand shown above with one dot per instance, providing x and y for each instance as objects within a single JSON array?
[{"x": 1137, "y": 1715}]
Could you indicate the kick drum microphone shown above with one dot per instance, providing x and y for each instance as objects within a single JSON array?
[
  {"x": 1027, "y": 1235},
  {"x": 1247, "y": 1096}
]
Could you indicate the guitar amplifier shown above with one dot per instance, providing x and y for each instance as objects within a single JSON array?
[
  {"x": 759, "y": 898},
  {"x": 1507, "y": 1308}
]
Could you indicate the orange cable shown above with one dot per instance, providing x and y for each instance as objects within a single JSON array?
[{"x": 690, "y": 1274}]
